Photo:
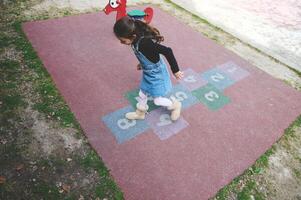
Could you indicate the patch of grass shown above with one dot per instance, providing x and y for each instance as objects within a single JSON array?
[
  {"x": 11, "y": 102},
  {"x": 46, "y": 191},
  {"x": 92, "y": 161},
  {"x": 9, "y": 70},
  {"x": 263, "y": 161},
  {"x": 101, "y": 191},
  {"x": 5, "y": 41},
  {"x": 7, "y": 191},
  {"x": 10, "y": 97},
  {"x": 8, "y": 85},
  {"x": 297, "y": 173},
  {"x": 107, "y": 187},
  {"x": 290, "y": 131},
  {"x": 9, "y": 154},
  {"x": 57, "y": 161},
  {"x": 51, "y": 102},
  {"x": 225, "y": 191},
  {"x": 248, "y": 191}
]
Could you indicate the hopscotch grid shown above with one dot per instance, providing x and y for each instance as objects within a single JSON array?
[{"x": 205, "y": 88}]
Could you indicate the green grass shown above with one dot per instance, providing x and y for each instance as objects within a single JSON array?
[
  {"x": 250, "y": 190},
  {"x": 9, "y": 95},
  {"x": 5, "y": 41},
  {"x": 11, "y": 102},
  {"x": 106, "y": 187},
  {"x": 47, "y": 191},
  {"x": 289, "y": 132},
  {"x": 51, "y": 103},
  {"x": 297, "y": 173}
]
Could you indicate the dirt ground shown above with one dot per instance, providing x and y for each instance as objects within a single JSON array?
[{"x": 45, "y": 155}]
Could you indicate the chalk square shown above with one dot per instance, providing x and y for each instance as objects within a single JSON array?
[
  {"x": 217, "y": 78},
  {"x": 159, "y": 120},
  {"x": 192, "y": 80},
  {"x": 132, "y": 97},
  {"x": 122, "y": 128},
  {"x": 183, "y": 95},
  {"x": 235, "y": 72},
  {"x": 211, "y": 97}
]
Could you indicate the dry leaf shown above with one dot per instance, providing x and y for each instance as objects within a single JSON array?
[
  {"x": 2, "y": 179},
  {"x": 66, "y": 188},
  {"x": 19, "y": 167}
]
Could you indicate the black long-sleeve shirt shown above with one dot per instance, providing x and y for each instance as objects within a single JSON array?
[{"x": 152, "y": 50}]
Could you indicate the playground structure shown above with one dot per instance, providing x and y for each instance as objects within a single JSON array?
[{"x": 120, "y": 7}]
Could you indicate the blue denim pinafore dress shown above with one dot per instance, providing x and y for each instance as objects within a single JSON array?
[{"x": 155, "y": 80}]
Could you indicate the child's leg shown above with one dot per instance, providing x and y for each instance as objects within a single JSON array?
[
  {"x": 162, "y": 101},
  {"x": 171, "y": 104},
  {"x": 141, "y": 109},
  {"x": 142, "y": 99}
]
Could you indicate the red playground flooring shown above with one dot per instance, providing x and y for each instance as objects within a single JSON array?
[{"x": 232, "y": 111}]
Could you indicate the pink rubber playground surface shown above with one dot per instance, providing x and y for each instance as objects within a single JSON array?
[{"x": 93, "y": 71}]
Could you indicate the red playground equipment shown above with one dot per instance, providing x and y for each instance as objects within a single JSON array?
[{"x": 120, "y": 7}]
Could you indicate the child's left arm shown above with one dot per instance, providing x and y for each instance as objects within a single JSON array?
[
  {"x": 179, "y": 75},
  {"x": 153, "y": 50},
  {"x": 168, "y": 53}
]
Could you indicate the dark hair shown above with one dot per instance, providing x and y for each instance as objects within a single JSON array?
[{"x": 127, "y": 27}]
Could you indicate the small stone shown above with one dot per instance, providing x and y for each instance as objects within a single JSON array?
[
  {"x": 32, "y": 162},
  {"x": 69, "y": 159},
  {"x": 34, "y": 168},
  {"x": 59, "y": 184}
]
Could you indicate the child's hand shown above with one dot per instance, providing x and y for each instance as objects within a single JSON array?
[
  {"x": 139, "y": 67},
  {"x": 179, "y": 75}
]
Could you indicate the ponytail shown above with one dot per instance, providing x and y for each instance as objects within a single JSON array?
[
  {"x": 127, "y": 27},
  {"x": 143, "y": 29}
]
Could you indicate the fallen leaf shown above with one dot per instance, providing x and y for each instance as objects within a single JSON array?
[
  {"x": 19, "y": 167},
  {"x": 2, "y": 179},
  {"x": 3, "y": 141},
  {"x": 66, "y": 188}
]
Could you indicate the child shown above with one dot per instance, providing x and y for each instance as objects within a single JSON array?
[{"x": 155, "y": 77}]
